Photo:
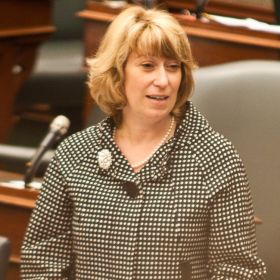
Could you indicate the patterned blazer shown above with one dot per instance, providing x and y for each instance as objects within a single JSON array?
[{"x": 186, "y": 215}]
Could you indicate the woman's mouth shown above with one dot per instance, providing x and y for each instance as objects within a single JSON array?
[{"x": 157, "y": 97}]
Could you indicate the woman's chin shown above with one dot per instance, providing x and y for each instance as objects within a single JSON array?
[
  {"x": 148, "y": 114},
  {"x": 157, "y": 115}
]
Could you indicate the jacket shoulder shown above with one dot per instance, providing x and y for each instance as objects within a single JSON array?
[
  {"x": 76, "y": 148},
  {"x": 219, "y": 160}
]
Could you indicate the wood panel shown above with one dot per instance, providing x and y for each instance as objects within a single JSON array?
[
  {"x": 24, "y": 26},
  {"x": 223, "y": 43},
  {"x": 238, "y": 9},
  {"x": 15, "y": 209}
]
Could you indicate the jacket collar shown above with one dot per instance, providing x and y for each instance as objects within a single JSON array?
[
  {"x": 191, "y": 126},
  {"x": 186, "y": 133}
]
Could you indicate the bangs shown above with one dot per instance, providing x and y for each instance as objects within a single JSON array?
[{"x": 150, "y": 40}]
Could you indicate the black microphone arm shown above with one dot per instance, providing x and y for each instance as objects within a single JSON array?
[
  {"x": 58, "y": 127},
  {"x": 200, "y": 5}
]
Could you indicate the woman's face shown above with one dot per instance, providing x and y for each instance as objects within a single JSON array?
[{"x": 151, "y": 86}]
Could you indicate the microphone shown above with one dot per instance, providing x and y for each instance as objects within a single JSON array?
[
  {"x": 131, "y": 189},
  {"x": 200, "y": 5},
  {"x": 58, "y": 128}
]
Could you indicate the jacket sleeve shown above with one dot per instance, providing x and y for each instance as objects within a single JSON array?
[
  {"x": 232, "y": 244},
  {"x": 47, "y": 247}
]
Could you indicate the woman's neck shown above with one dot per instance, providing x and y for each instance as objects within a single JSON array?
[
  {"x": 143, "y": 130},
  {"x": 138, "y": 141}
]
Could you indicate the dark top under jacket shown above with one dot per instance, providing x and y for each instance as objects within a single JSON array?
[{"x": 186, "y": 215}]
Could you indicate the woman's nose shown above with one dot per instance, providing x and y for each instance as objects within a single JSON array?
[{"x": 161, "y": 78}]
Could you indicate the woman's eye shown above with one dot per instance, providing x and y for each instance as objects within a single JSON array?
[
  {"x": 147, "y": 65},
  {"x": 173, "y": 66}
]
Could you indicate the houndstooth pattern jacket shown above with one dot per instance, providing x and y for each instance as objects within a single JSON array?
[{"x": 190, "y": 218}]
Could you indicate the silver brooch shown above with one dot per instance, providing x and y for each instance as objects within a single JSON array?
[{"x": 104, "y": 158}]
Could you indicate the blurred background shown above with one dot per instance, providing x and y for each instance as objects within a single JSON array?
[{"x": 43, "y": 48}]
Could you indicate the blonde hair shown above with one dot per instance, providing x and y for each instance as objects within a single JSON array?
[{"x": 146, "y": 32}]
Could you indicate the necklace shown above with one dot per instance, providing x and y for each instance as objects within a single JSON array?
[{"x": 163, "y": 140}]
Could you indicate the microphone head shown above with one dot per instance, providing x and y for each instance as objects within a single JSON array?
[{"x": 60, "y": 124}]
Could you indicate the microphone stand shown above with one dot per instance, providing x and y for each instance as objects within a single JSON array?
[
  {"x": 200, "y": 6},
  {"x": 33, "y": 165},
  {"x": 58, "y": 128}
]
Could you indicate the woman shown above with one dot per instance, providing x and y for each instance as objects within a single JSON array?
[{"x": 152, "y": 192}]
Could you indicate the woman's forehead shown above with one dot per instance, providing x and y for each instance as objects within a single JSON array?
[
  {"x": 138, "y": 56},
  {"x": 155, "y": 44}
]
